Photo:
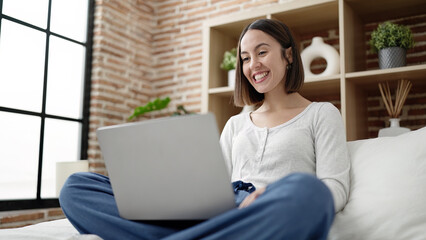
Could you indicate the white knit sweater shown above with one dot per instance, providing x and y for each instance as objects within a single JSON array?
[{"x": 312, "y": 142}]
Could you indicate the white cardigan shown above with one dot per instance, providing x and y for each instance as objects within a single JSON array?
[{"x": 312, "y": 142}]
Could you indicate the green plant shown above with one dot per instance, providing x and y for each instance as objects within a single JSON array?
[
  {"x": 158, "y": 104},
  {"x": 229, "y": 60},
  {"x": 390, "y": 34},
  {"x": 180, "y": 110},
  {"x": 153, "y": 105}
]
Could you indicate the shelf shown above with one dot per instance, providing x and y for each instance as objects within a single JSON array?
[
  {"x": 351, "y": 20},
  {"x": 381, "y": 10},
  {"x": 416, "y": 74},
  {"x": 320, "y": 89},
  {"x": 313, "y": 86},
  {"x": 318, "y": 16},
  {"x": 322, "y": 78},
  {"x": 222, "y": 91}
]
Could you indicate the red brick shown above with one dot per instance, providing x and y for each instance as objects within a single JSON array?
[
  {"x": 189, "y": 6},
  {"x": 55, "y": 212},
  {"x": 373, "y": 103},
  {"x": 413, "y": 112},
  {"x": 259, "y": 3},
  {"x": 22, "y": 217},
  {"x": 191, "y": 20},
  {"x": 172, "y": 4},
  {"x": 97, "y": 164},
  {"x": 224, "y": 12},
  {"x": 201, "y": 11}
]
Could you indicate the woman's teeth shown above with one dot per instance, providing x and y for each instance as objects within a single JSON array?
[{"x": 260, "y": 76}]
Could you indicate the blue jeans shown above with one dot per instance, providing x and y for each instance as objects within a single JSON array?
[{"x": 298, "y": 206}]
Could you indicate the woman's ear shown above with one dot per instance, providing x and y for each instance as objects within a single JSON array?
[{"x": 289, "y": 55}]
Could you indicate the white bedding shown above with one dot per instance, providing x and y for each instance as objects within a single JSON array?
[
  {"x": 53, "y": 230},
  {"x": 387, "y": 198}
]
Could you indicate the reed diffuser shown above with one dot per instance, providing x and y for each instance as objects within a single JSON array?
[{"x": 394, "y": 108}]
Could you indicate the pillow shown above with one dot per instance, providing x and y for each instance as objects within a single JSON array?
[{"x": 388, "y": 190}]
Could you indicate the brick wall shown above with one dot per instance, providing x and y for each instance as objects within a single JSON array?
[
  {"x": 123, "y": 66},
  {"x": 23, "y": 218}
]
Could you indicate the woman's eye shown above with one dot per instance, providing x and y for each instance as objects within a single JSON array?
[
  {"x": 244, "y": 59},
  {"x": 262, "y": 53}
]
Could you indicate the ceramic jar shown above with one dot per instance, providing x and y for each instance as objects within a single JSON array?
[
  {"x": 319, "y": 49},
  {"x": 231, "y": 78},
  {"x": 394, "y": 129}
]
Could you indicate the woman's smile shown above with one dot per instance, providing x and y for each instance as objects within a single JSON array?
[{"x": 260, "y": 76}]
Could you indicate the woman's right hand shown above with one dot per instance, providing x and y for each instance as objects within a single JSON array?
[{"x": 252, "y": 197}]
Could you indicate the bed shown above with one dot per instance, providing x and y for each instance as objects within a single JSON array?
[
  {"x": 387, "y": 195},
  {"x": 53, "y": 230}
]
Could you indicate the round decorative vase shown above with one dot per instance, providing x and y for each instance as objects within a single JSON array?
[
  {"x": 319, "y": 49},
  {"x": 231, "y": 78},
  {"x": 394, "y": 129},
  {"x": 392, "y": 57}
]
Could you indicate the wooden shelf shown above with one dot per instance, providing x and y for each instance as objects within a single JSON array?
[
  {"x": 222, "y": 91},
  {"x": 381, "y": 10},
  {"x": 417, "y": 72},
  {"x": 308, "y": 17},
  {"x": 317, "y": 16}
]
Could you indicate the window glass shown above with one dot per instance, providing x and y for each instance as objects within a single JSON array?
[
  {"x": 65, "y": 78},
  {"x": 19, "y": 151},
  {"x": 30, "y": 11},
  {"x": 22, "y": 52},
  {"x": 69, "y": 18},
  {"x": 61, "y": 143},
  {"x": 40, "y": 77}
]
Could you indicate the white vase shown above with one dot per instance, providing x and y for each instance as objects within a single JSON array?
[
  {"x": 65, "y": 169},
  {"x": 319, "y": 49},
  {"x": 231, "y": 78},
  {"x": 394, "y": 129}
]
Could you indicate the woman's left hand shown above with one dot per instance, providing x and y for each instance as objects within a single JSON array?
[{"x": 253, "y": 196}]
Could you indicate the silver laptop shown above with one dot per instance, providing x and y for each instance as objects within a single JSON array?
[{"x": 167, "y": 169}]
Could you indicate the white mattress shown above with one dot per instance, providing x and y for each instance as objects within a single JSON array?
[{"x": 53, "y": 230}]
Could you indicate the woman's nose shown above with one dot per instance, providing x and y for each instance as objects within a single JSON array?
[{"x": 254, "y": 63}]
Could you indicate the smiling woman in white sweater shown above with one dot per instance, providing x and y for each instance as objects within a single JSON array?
[
  {"x": 311, "y": 142},
  {"x": 287, "y": 133},
  {"x": 288, "y": 158}
]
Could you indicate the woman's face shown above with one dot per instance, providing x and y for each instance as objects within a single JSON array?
[{"x": 262, "y": 61}]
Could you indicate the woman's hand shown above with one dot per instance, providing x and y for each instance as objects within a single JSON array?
[{"x": 250, "y": 198}]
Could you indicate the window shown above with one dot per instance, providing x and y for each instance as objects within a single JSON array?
[{"x": 45, "y": 59}]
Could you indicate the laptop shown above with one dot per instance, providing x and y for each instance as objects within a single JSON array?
[{"x": 167, "y": 169}]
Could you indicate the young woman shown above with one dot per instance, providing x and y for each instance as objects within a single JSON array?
[{"x": 288, "y": 158}]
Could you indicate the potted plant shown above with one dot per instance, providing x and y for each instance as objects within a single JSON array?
[
  {"x": 229, "y": 64},
  {"x": 156, "y": 105},
  {"x": 391, "y": 42}
]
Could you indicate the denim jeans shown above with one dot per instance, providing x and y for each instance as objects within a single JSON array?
[{"x": 298, "y": 206}]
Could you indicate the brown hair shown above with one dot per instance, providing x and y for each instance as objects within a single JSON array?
[{"x": 244, "y": 93}]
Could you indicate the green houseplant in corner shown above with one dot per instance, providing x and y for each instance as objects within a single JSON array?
[
  {"x": 229, "y": 64},
  {"x": 391, "y": 42}
]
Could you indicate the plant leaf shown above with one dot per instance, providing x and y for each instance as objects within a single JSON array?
[{"x": 154, "y": 105}]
